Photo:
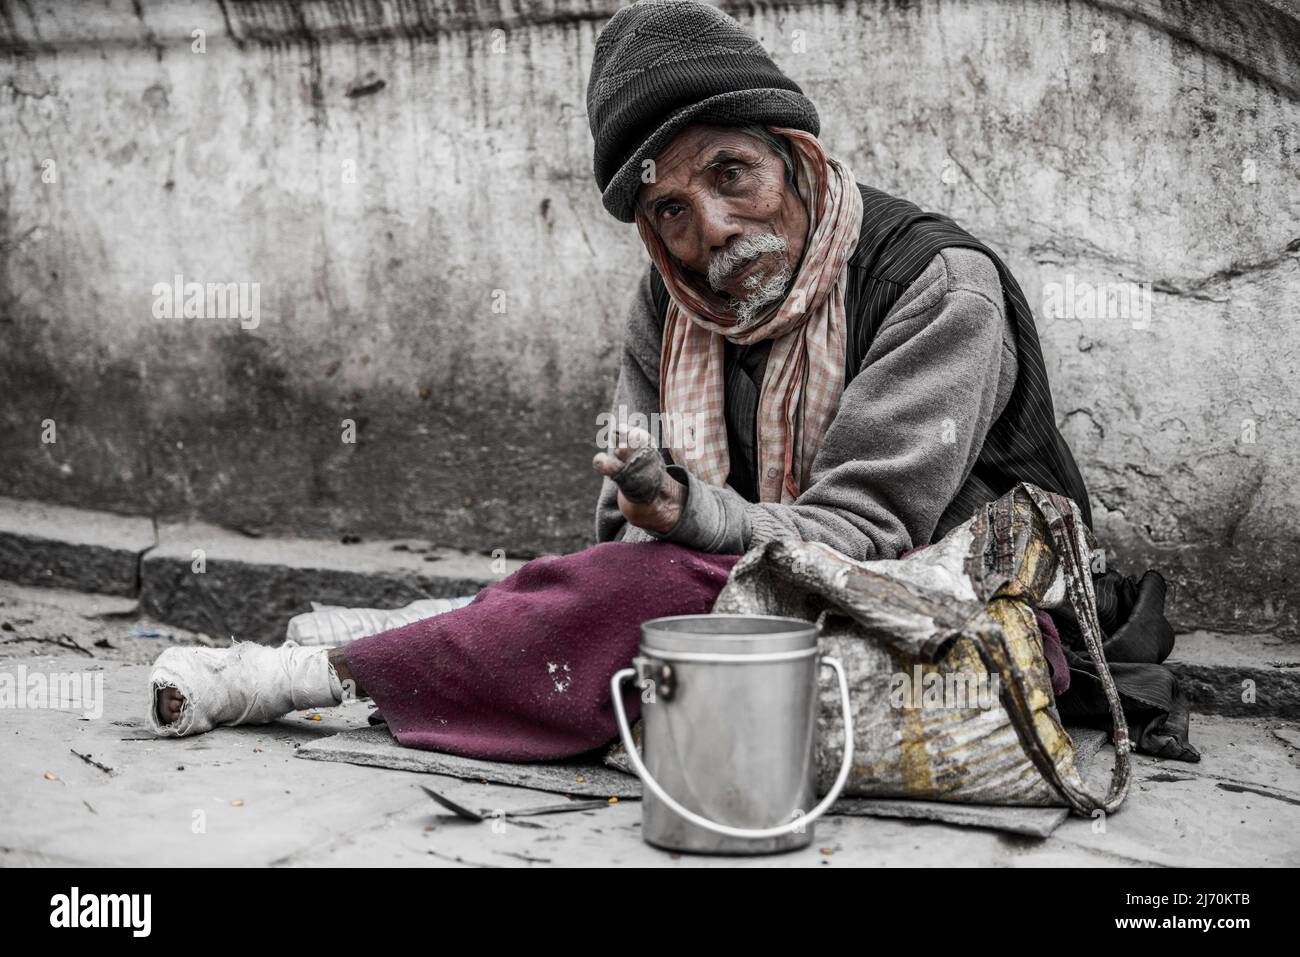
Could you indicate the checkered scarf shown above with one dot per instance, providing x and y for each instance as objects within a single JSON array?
[{"x": 804, "y": 378}]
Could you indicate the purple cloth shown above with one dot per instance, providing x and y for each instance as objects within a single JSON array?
[
  {"x": 522, "y": 672},
  {"x": 1053, "y": 652}
]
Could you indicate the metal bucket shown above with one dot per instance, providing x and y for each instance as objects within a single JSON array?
[{"x": 729, "y": 705}]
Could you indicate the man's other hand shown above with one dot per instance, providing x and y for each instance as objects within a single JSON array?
[{"x": 647, "y": 495}]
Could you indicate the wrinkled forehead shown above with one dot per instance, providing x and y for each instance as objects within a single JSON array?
[
  {"x": 692, "y": 150},
  {"x": 697, "y": 140}
]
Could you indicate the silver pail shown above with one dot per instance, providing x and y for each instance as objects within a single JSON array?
[{"x": 729, "y": 705}]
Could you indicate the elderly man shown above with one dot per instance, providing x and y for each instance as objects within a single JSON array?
[
  {"x": 835, "y": 364},
  {"x": 858, "y": 372}
]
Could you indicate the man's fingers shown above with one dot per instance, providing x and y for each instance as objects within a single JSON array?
[
  {"x": 633, "y": 463},
  {"x": 640, "y": 476},
  {"x": 607, "y": 464},
  {"x": 627, "y": 442}
]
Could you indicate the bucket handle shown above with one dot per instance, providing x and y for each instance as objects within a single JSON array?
[{"x": 643, "y": 773}]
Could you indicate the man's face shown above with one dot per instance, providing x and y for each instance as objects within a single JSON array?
[{"x": 722, "y": 207}]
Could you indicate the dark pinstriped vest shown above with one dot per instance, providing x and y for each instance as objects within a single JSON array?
[{"x": 897, "y": 242}]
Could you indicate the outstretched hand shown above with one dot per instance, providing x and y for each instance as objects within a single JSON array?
[{"x": 648, "y": 496}]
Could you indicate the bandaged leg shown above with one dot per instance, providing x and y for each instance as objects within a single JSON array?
[
  {"x": 247, "y": 683},
  {"x": 336, "y": 626}
]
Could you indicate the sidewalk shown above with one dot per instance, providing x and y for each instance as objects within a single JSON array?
[
  {"x": 239, "y": 795},
  {"x": 221, "y": 582}
]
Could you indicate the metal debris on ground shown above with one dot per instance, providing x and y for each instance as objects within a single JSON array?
[
  {"x": 89, "y": 760},
  {"x": 471, "y": 815}
]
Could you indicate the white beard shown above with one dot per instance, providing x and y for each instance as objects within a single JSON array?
[{"x": 762, "y": 290}]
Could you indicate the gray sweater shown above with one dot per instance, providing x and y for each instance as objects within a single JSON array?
[{"x": 909, "y": 428}]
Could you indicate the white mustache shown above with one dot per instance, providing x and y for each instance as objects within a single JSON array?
[{"x": 724, "y": 264}]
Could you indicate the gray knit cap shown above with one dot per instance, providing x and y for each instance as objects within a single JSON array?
[{"x": 661, "y": 65}]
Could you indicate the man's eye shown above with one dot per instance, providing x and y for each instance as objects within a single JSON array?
[
  {"x": 665, "y": 210},
  {"x": 726, "y": 174}
]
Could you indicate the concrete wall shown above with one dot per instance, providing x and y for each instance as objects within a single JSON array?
[{"x": 460, "y": 296}]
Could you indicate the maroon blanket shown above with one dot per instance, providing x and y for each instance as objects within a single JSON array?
[
  {"x": 522, "y": 673},
  {"x": 1053, "y": 652}
]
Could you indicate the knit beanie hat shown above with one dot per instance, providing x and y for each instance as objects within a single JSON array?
[{"x": 661, "y": 65}]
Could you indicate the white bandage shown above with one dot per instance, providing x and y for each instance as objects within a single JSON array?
[
  {"x": 335, "y": 626},
  {"x": 246, "y": 683}
]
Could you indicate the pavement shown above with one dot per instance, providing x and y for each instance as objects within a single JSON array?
[
  {"x": 100, "y": 790},
  {"x": 201, "y": 578}
]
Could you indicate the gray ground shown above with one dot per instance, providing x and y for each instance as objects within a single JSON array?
[{"x": 239, "y": 795}]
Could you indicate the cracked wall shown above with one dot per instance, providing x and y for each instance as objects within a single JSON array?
[{"x": 409, "y": 185}]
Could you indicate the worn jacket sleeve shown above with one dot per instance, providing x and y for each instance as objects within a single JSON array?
[
  {"x": 908, "y": 431},
  {"x": 637, "y": 391}
]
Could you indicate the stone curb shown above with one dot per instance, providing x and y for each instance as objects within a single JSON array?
[{"x": 220, "y": 582}]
